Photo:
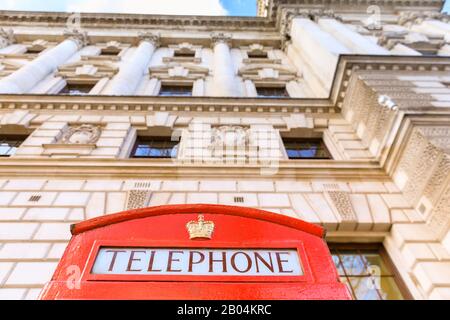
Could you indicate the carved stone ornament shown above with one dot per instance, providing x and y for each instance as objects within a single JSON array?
[
  {"x": 220, "y": 38},
  {"x": 229, "y": 136},
  {"x": 84, "y": 134},
  {"x": 6, "y": 37},
  {"x": 150, "y": 37},
  {"x": 81, "y": 38}
]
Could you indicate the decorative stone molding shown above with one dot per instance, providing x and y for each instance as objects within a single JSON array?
[
  {"x": 409, "y": 18},
  {"x": 220, "y": 38},
  {"x": 87, "y": 70},
  {"x": 83, "y": 134},
  {"x": 153, "y": 38},
  {"x": 6, "y": 37},
  {"x": 137, "y": 199},
  {"x": 229, "y": 136},
  {"x": 289, "y": 14},
  {"x": 81, "y": 38},
  {"x": 268, "y": 71},
  {"x": 178, "y": 71},
  {"x": 342, "y": 203},
  {"x": 387, "y": 102}
]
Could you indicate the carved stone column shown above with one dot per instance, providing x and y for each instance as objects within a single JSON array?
[
  {"x": 24, "y": 79},
  {"x": 131, "y": 72},
  {"x": 6, "y": 38},
  {"x": 224, "y": 79},
  {"x": 316, "y": 47},
  {"x": 351, "y": 39}
]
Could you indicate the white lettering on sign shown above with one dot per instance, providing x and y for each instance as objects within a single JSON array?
[{"x": 198, "y": 262}]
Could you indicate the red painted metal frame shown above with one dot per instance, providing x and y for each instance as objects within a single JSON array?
[
  {"x": 165, "y": 227},
  {"x": 88, "y": 276}
]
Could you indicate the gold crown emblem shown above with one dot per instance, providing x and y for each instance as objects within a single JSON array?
[{"x": 200, "y": 229}]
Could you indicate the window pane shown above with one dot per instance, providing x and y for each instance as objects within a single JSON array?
[
  {"x": 376, "y": 264},
  {"x": 338, "y": 265},
  {"x": 388, "y": 288},
  {"x": 353, "y": 264},
  {"x": 305, "y": 148},
  {"x": 364, "y": 288},
  {"x": 158, "y": 147},
  {"x": 167, "y": 90},
  {"x": 367, "y": 273},
  {"x": 9, "y": 144}
]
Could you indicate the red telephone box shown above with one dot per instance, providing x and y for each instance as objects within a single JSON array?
[{"x": 196, "y": 252}]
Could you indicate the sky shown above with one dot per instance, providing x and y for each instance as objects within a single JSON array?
[{"x": 185, "y": 7}]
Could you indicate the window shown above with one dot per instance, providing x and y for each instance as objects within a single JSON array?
[
  {"x": 306, "y": 148},
  {"x": 33, "y": 51},
  {"x": 10, "y": 143},
  {"x": 368, "y": 272},
  {"x": 272, "y": 92},
  {"x": 175, "y": 90},
  {"x": 106, "y": 52},
  {"x": 257, "y": 55},
  {"x": 155, "y": 147},
  {"x": 184, "y": 54},
  {"x": 77, "y": 89}
]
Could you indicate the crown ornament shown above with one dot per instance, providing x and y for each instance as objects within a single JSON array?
[{"x": 200, "y": 229}]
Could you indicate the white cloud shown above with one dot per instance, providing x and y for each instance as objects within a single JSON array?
[{"x": 182, "y": 7}]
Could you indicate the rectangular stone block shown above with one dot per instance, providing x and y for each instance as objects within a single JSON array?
[
  {"x": 293, "y": 186},
  {"x": 27, "y": 250},
  {"x": 274, "y": 200},
  {"x": 249, "y": 199},
  {"x": 25, "y": 185},
  {"x": 380, "y": 213},
  {"x": 6, "y": 197},
  {"x": 17, "y": 231},
  {"x": 103, "y": 185},
  {"x": 27, "y": 199},
  {"x": 72, "y": 199},
  {"x": 32, "y": 273},
  {"x": 12, "y": 294},
  {"x": 220, "y": 185},
  {"x": 206, "y": 198},
  {"x": 46, "y": 214},
  {"x": 5, "y": 268},
  {"x": 53, "y": 231},
  {"x": 323, "y": 210},
  {"x": 63, "y": 185},
  {"x": 9, "y": 213},
  {"x": 256, "y": 186},
  {"x": 303, "y": 208},
  {"x": 180, "y": 185}
]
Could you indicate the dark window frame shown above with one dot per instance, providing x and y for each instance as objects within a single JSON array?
[
  {"x": 67, "y": 91},
  {"x": 188, "y": 92},
  {"x": 18, "y": 139},
  {"x": 183, "y": 54},
  {"x": 258, "y": 55},
  {"x": 322, "y": 148},
  {"x": 282, "y": 92},
  {"x": 147, "y": 140},
  {"x": 373, "y": 248}
]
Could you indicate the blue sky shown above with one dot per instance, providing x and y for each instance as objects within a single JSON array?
[{"x": 202, "y": 7}]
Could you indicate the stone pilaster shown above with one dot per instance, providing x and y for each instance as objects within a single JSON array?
[
  {"x": 131, "y": 72},
  {"x": 24, "y": 79},
  {"x": 224, "y": 76}
]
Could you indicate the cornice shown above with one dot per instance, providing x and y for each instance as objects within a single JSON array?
[
  {"x": 138, "y": 104},
  {"x": 135, "y": 168},
  {"x": 217, "y": 23},
  {"x": 135, "y": 21}
]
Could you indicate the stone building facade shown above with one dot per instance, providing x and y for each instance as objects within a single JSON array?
[{"x": 100, "y": 113}]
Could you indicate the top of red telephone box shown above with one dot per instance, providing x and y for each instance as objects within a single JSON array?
[{"x": 196, "y": 252}]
